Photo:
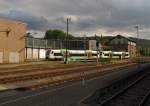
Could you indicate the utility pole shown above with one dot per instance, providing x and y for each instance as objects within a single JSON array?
[
  {"x": 66, "y": 40},
  {"x": 137, "y": 43},
  {"x": 85, "y": 55},
  {"x": 101, "y": 48},
  {"x": 97, "y": 62},
  {"x": 137, "y": 32}
]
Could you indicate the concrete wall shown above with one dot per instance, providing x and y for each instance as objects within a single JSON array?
[
  {"x": 132, "y": 49},
  {"x": 12, "y": 41}
]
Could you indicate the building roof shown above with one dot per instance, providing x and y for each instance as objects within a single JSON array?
[
  {"x": 142, "y": 42},
  {"x": 12, "y": 21},
  {"x": 110, "y": 38},
  {"x": 125, "y": 38}
]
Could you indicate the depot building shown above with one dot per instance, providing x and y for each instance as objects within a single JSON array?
[{"x": 12, "y": 41}]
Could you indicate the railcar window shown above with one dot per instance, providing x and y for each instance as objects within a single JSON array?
[
  {"x": 126, "y": 55},
  {"x": 57, "y": 54},
  {"x": 94, "y": 54},
  {"x": 116, "y": 54},
  {"x": 106, "y": 54},
  {"x": 78, "y": 54}
]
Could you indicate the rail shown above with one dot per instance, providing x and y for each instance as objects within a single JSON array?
[
  {"x": 54, "y": 77},
  {"x": 126, "y": 93}
]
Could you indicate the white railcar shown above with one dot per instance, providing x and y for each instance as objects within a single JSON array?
[{"x": 60, "y": 54}]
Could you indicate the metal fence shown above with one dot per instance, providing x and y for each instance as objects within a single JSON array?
[{"x": 55, "y": 43}]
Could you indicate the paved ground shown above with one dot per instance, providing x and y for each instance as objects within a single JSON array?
[{"x": 64, "y": 95}]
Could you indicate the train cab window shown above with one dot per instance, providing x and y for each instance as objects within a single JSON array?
[{"x": 48, "y": 52}]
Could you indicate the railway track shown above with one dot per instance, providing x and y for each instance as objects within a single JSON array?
[
  {"x": 73, "y": 77},
  {"x": 146, "y": 100},
  {"x": 136, "y": 93},
  {"x": 22, "y": 71},
  {"x": 17, "y": 77},
  {"x": 28, "y": 70}
]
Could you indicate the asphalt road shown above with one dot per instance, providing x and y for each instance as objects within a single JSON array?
[{"x": 69, "y": 94}]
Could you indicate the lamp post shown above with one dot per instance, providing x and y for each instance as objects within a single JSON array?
[{"x": 66, "y": 40}]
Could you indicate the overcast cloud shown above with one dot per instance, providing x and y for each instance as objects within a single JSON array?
[{"x": 107, "y": 17}]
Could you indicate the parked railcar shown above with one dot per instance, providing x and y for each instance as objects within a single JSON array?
[
  {"x": 79, "y": 55},
  {"x": 73, "y": 55},
  {"x": 115, "y": 55}
]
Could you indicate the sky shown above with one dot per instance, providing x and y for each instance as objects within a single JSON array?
[{"x": 88, "y": 17}]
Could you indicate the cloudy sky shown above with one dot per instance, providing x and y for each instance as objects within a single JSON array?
[{"x": 106, "y": 17}]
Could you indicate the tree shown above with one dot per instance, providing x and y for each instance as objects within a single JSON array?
[
  {"x": 99, "y": 40},
  {"x": 56, "y": 34}
]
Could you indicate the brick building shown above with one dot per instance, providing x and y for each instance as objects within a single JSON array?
[
  {"x": 121, "y": 43},
  {"x": 12, "y": 41}
]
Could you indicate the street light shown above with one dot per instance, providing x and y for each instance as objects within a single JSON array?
[{"x": 66, "y": 40}]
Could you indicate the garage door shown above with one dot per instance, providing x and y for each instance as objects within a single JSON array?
[
  {"x": 35, "y": 53},
  {"x": 42, "y": 53},
  {"x": 29, "y": 53},
  {"x": 14, "y": 57},
  {"x": 1, "y": 57}
]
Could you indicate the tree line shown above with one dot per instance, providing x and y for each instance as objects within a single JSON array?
[{"x": 57, "y": 34}]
